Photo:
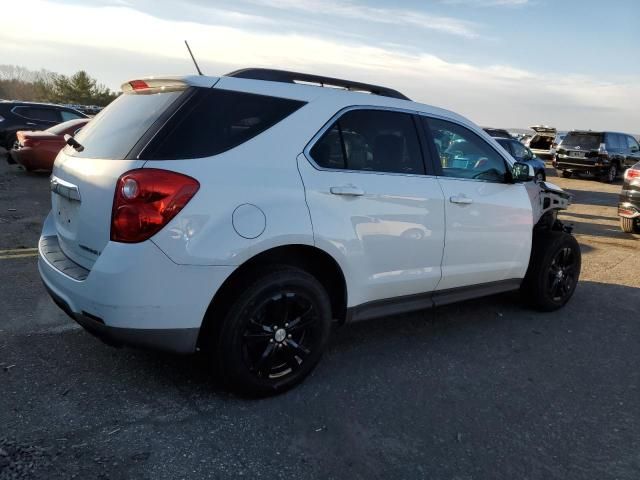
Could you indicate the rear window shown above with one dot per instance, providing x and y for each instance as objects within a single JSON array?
[
  {"x": 63, "y": 127},
  {"x": 213, "y": 121},
  {"x": 116, "y": 129},
  {"x": 584, "y": 140}
]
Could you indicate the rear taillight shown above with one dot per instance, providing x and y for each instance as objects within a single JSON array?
[
  {"x": 146, "y": 200},
  {"x": 631, "y": 173},
  {"x": 139, "y": 85}
]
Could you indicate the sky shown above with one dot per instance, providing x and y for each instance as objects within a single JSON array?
[{"x": 502, "y": 63}]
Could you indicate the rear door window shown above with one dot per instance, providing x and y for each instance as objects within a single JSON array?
[
  {"x": 66, "y": 115},
  {"x": 214, "y": 121},
  {"x": 38, "y": 114},
  {"x": 371, "y": 140}
]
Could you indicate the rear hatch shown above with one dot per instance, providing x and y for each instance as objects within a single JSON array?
[
  {"x": 83, "y": 179},
  {"x": 581, "y": 148},
  {"x": 543, "y": 139}
]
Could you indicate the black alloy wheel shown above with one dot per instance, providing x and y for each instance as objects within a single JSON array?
[
  {"x": 554, "y": 270},
  {"x": 280, "y": 334},
  {"x": 274, "y": 333},
  {"x": 562, "y": 274},
  {"x": 612, "y": 173}
]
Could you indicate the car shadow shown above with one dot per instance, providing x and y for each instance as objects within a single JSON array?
[{"x": 381, "y": 350}]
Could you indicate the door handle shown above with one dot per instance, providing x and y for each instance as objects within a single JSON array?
[
  {"x": 348, "y": 190},
  {"x": 461, "y": 199}
]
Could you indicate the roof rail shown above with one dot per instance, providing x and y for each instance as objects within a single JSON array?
[{"x": 285, "y": 76}]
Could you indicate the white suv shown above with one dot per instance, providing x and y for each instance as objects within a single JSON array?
[{"x": 241, "y": 215}]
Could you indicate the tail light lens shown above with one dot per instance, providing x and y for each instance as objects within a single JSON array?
[
  {"x": 631, "y": 173},
  {"x": 146, "y": 200}
]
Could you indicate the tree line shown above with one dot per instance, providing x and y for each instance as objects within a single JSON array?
[{"x": 19, "y": 83}]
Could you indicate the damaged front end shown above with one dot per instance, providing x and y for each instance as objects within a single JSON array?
[{"x": 547, "y": 199}]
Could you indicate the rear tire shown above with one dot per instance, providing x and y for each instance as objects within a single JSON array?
[
  {"x": 554, "y": 269},
  {"x": 629, "y": 225},
  {"x": 612, "y": 173},
  {"x": 567, "y": 174},
  {"x": 274, "y": 333}
]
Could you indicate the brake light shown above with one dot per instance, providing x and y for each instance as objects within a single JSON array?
[
  {"x": 146, "y": 200},
  {"x": 138, "y": 84},
  {"x": 631, "y": 173}
]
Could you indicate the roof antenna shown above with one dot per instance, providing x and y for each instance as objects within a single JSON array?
[{"x": 193, "y": 58}]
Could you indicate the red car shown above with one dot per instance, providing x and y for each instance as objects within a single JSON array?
[{"x": 37, "y": 150}]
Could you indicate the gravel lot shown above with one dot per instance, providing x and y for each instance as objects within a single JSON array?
[{"x": 482, "y": 390}]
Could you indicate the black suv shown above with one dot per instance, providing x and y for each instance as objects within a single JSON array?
[
  {"x": 16, "y": 116},
  {"x": 604, "y": 154},
  {"x": 629, "y": 205}
]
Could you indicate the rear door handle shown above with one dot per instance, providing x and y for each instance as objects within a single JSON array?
[
  {"x": 348, "y": 190},
  {"x": 461, "y": 199}
]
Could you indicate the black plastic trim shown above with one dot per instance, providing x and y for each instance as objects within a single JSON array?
[
  {"x": 175, "y": 340},
  {"x": 50, "y": 249},
  {"x": 285, "y": 76},
  {"x": 422, "y": 301}
]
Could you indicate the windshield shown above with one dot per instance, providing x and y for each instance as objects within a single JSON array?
[
  {"x": 116, "y": 129},
  {"x": 584, "y": 140}
]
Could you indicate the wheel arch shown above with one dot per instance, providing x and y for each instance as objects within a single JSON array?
[{"x": 309, "y": 258}]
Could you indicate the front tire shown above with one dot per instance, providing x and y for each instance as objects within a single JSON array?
[
  {"x": 274, "y": 334},
  {"x": 554, "y": 269},
  {"x": 629, "y": 225}
]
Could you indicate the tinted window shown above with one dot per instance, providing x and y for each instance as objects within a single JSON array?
[
  {"x": 633, "y": 145},
  {"x": 214, "y": 121},
  {"x": 371, "y": 140},
  {"x": 584, "y": 140},
  {"x": 66, "y": 115},
  {"x": 519, "y": 150},
  {"x": 38, "y": 113},
  {"x": 117, "y": 128},
  {"x": 463, "y": 154},
  {"x": 506, "y": 144}
]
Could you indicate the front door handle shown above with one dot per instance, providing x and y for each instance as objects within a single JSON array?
[
  {"x": 348, "y": 190},
  {"x": 461, "y": 199}
]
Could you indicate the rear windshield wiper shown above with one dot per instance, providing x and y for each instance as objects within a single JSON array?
[{"x": 72, "y": 142}]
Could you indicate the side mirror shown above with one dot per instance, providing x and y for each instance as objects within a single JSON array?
[{"x": 522, "y": 172}]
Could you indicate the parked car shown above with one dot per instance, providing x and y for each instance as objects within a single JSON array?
[
  {"x": 604, "y": 154},
  {"x": 497, "y": 132},
  {"x": 16, "y": 116},
  {"x": 240, "y": 215},
  {"x": 37, "y": 150},
  {"x": 629, "y": 204},
  {"x": 524, "y": 154},
  {"x": 541, "y": 144}
]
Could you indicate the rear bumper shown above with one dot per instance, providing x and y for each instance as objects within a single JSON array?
[
  {"x": 562, "y": 164},
  {"x": 629, "y": 209},
  {"x": 133, "y": 294},
  {"x": 177, "y": 340}
]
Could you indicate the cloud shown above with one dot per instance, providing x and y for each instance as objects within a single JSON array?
[
  {"x": 361, "y": 12},
  {"x": 118, "y": 43},
  {"x": 487, "y": 3}
]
